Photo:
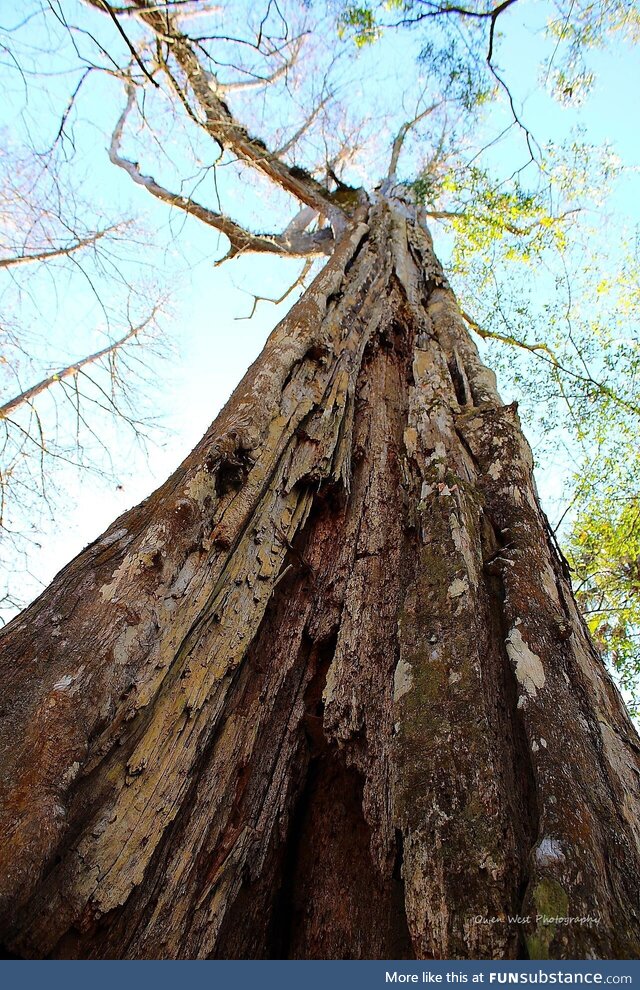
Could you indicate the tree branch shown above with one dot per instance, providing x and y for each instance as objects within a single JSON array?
[
  {"x": 259, "y": 81},
  {"x": 48, "y": 254},
  {"x": 300, "y": 222},
  {"x": 72, "y": 369},
  {"x": 545, "y": 353},
  {"x": 400, "y": 138},
  {"x": 304, "y": 127},
  {"x": 306, "y": 268},
  {"x": 123, "y": 34},
  {"x": 294, "y": 242},
  {"x": 510, "y": 227},
  {"x": 439, "y": 10},
  {"x": 221, "y": 125},
  {"x": 181, "y": 7},
  {"x": 512, "y": 341}
]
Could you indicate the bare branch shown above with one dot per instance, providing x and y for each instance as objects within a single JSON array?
[
  {"x": 306, "y": 268},
  {"x": 107, "y": 7},
  {"x": 221, "y": 125},
  {"x": 291, "y": 242},
  {"x": 301, "y": 131},
  {"x": 400, "y": 138},
  {"x": 65, "y": 250},
  {"x": 72, "y": 369},
  {"x": 184, "y": 8},
  {"x": 259, "y": 81},
  {"x": 175, "y": 85},
  {"x": 300, "y": 222},
  {"x": 70, "y": 104}
]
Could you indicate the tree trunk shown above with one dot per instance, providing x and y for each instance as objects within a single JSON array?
[{"x": 326, "y": 693}]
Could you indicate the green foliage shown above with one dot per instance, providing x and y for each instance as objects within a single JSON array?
[
  {"x": 463, "y": 79},
  {"x": 483, "y": 212},
  {"x": 576, "y": 28},
  {"x": 494, "y": 222},
  {"x": 579, "y": 27},
  {"x": 361, "y": 23},
  {"x": 603, "y": 548}
]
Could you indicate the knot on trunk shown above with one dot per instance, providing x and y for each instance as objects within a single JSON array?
[{"x": 230, "y": 461}]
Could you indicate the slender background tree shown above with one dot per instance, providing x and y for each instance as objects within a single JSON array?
[{"x": 75, "y": 311}]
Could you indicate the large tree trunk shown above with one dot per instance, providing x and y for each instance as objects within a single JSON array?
[{"x": 326, "y": 693}]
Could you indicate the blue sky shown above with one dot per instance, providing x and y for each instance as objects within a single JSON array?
[{"x": 209, "y": 347}]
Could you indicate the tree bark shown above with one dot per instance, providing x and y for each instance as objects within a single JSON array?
[{"x": 326, "y": 693}]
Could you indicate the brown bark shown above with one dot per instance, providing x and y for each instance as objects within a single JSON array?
[{"x": 326, "y": 693}]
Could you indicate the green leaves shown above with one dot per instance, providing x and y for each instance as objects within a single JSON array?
[
  {"x": 495, "y": 222},
  {"x": 603, "y": 548},
  {"x": 579, "y": 27},
  {"x": 464, "y": 79},
  {"x": 360, "y": 22}
]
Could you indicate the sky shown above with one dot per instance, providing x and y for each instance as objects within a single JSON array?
[{"x": 208, "y": 345}]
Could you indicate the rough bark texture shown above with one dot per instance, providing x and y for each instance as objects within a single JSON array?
[{"x": 326, "y": 693}]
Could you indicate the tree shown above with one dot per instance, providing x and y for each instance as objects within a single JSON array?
[
  {"x": 54, "y": 246},
  {"x": 327, "y": 692}
]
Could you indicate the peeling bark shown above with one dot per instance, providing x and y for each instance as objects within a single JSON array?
[{"x": 326, "y": 693}]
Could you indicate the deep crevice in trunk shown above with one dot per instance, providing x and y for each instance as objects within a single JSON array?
[
  {"x": 458, "y": 381},
  {"x": 520, "y": 776},
  {"x": 335, "y": 903}
]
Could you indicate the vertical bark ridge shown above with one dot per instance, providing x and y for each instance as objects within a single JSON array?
[
  {"x": 586, "y": 848},
  {"x": 326, "y": 693},
  {"x": 452, "y": 788}
]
